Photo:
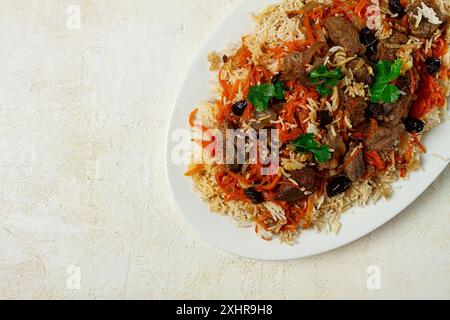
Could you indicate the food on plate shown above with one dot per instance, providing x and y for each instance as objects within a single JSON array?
[{"x": 344, "y": 89}]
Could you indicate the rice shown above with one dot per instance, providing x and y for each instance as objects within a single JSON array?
[{"x": 272, "y": 26}]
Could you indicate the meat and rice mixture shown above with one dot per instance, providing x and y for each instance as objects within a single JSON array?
[{"x": 350, "y": 86}]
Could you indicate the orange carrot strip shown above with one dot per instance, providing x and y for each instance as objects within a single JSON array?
[
  {"x": 360, "y": 7},
  {"x": 273, "y": 184},
  {"x": 418, "y": 143},
  {"x": 413, "y": 81},
  {"x": 192, "y": 117},
  {"x": 196, "y": 169},
  {"x": 308, "y": 28},
  {"x": 409, "y": 153}
]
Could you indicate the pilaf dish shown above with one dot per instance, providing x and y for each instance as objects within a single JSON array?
[{"x": 351, "y": 88}]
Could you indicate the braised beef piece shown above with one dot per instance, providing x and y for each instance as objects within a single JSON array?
[
  {"x": 306, "y": 179},
  {"x": 404, "y": 82},
  {"x": 385, "y": 138},
  {"x": 294, "y": 64},
  {"x": 230, "y": 153},
  {"x": 339, "y": 148},
  {"x": 289, "y": 193},
  {"x": 264, "y": 119},
  {"x": 425, "y": 29},
  {"x": 360, "y": 70},
  {"x": 343, "y": 33},
  {"x": 398, "y": 111},
  {"x": 388, "y": 48},
  {"x": 356, "y": 169},
  {"x": 355, "y": 109}
]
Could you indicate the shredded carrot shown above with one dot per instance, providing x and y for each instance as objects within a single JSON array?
[
  {"x": 308, "y": 216},
  {"x": 238, "y": 177},
  {"x": 201, "y": 127},
  {"x": 350, "y": 159},
  {"x": 441, "y": 48},
  {"x": 405, "y": 21},
  {"x": 418, "y": 143},
  {"x": 273, "y": 184},
  {"x": 403, "y": 173},
  {"x": 409, "y": 153},
  {"x": 196, "y": 169},
  {"x": 374, "y": 159},
  {"x": 308, "y": 28},
  {"x": 192, "y": 117},
  {"x": 413, "y": 81},
  {"x": 297, "y": 45},
  {"x": 248, "y": 112},
  {"x": 360, "y": 7},
  {"x": 235, "y": 89},
  {"x": 430, "y": 95},
  {"x": 203, "y": 143}
]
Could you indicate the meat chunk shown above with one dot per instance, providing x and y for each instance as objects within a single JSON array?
[
  {"x": 356, "y": 169},
  {"x": 360, "y": 70},
  {"x": 294, "y": 64},
  {"x": 306, "y": 180},
  {"x": 264, "y": 119},
  {"x": 425, "y": 29},
  {"x": 229, "y": 153},
  {"x": 388, "y": 48},
  {"x": 339, "y": 148},
  {"x": 398, "y": 111},
  {"x": 355, "y": 110},
  {"x": 404, "y": 82},
  {"x": 289, "y": 193},
  {"x": 343, "y": 33},
  {"x": 385, "y": 138}
]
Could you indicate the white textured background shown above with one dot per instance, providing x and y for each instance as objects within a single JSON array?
[{"x": 82, "y": 123}]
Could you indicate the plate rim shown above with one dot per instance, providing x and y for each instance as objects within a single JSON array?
[{"x": 287, "y": 257}]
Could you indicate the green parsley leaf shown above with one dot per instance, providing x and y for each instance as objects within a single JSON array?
[
  {"x": 382, "y": 91},
  {"x": 260, "y": 95},
  {"x": 325, "y": 79},
  {"x": 306, "y": 143}
]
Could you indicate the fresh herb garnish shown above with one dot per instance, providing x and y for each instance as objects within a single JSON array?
[
  {"x": 260, "y": 95},
  {"x": 325, "y": 79},
  {"x": 382, "y": 90},
  {"x": 306, "y": 143}
]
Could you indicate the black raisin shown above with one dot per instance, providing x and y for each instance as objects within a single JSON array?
[
  {"x": 239, "y": 108},
  {"x": 276, "y": 78},
  {"x": 396, "y": 8},
  {"x": 414, "y": 125},
  {"x": 255, "y": 196},
  {"x": 433, "y": 65},
  {"x": 324, "y": 118},
  {"x": 367, "y": 37},
  {"x": 338, "y": 185}
]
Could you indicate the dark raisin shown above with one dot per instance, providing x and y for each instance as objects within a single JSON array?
[
  {"x": 371, "y": 51},
  {"x": 255, "y": 196},
  {"x": 433, "y": 65},
  {"x": 414, "y": 125},
  {"x": 338, "y": 185},
  {"x": 324, "y": 118},
  {"x": 235, "y": 168},
  {"x": 276, "y": 78},
  {"x": 374, "y": 110},
  {"x": 396, "y": 8},
  {"x": 239, "y": 107},
  {"x": 367, "y": 37}
]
